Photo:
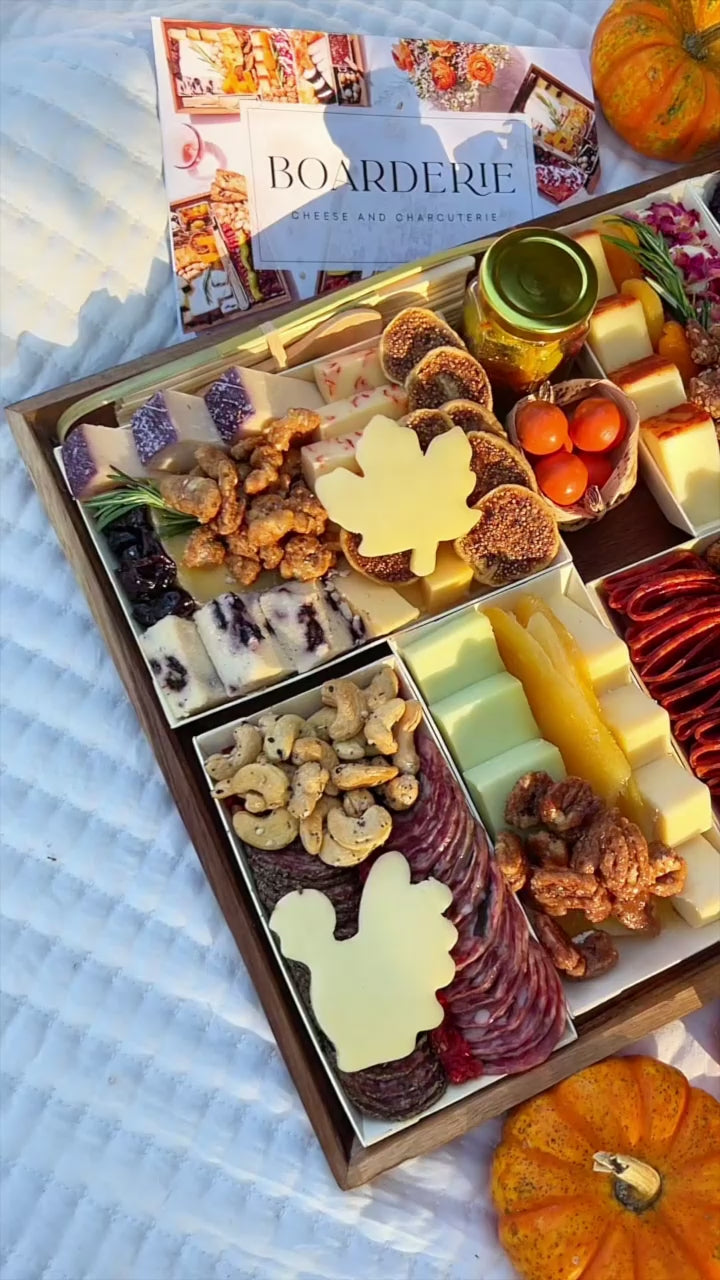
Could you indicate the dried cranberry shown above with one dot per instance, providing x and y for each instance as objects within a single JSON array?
[
  {"x": 177, "y": 602},
  {"x": 143, "y": 579}
]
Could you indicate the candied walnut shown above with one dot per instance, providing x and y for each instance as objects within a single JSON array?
[
  {"x": 309, "y": 514},
  {"x": 510, "y": 857},
  {"x": 638, "y": 914},
  {"x": 668, "y": 870},
  {"x": 264, "y": 503},
  {"x": 548, "y": 850},
  {"x": 568, "y": 805},
  {"x": 523, "y": 803},
  {"x": 225, "y": 473},
  {"x": 306, "y": 559},
  {"x": 266, "y": 530},
  {"x": 243, "y": 569},
  {"x": 191, "y": 495},
  {"x": 598, "y": 951},
  {"x": 560, "y": 889},
  {"x": 203, "y": 549},
  {"x": 564, "y": 954},
  {"x": 239, "y": 544},
  {"x": 617, "y": 849},
  {"x": 298, "y": 424},
  {"x": 271, "y": 556},
  {"x": 258, "y": 480},
  {"x": 266, "y": 455}
]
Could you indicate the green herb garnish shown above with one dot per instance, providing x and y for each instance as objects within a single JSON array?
[
  {"x": 653, "y": 255},
  {"x": 129, "y": 494}
]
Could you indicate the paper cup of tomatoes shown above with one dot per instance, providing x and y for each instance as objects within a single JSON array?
[{"x": 581, "y": 440}]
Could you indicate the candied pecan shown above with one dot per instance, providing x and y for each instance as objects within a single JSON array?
[
  {"x": 548, "y": 850},
  {"x": 260, "y": 479},
  {"x": 618, "y": 849},
  {"x": 704, "y": 347},
  {"x": 243, "y": 448},
  {"x": 510, "y": 857},
  {"x": 203, "y": 549},
  {"x": 191, "y": 496},
  {"x": 309, "y": 514},
  {"x": 568, "y": 805},
  {"x": 668, "y": 869},
  {"x": 266, "y": 530},
  {"x": 271, "y": 556},
  {"x": 559, "y": 890},
  {"x": 266, "y": 455},
  {"x": 597, "y": 950},
  {"x": 565, "y": 956},
  {"x": 637, "y": 913},
  {"x": 306, "y": 559},
  {"x": 704, "y": 390},
  {"x": 298, "y": 424},
  {"x": 522, "y": 805},
  {"x": 243, "y": 569}
]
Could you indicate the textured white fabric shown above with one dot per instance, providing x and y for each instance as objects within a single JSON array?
[{"x": 150, "y": 1129}]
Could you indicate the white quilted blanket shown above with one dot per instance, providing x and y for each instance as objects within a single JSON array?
[{"x": 150, "y": 1128}]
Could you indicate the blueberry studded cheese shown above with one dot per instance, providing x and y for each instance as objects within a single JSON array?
[
  {"x": 309, "y": 629},
  {"x": 240, "y": 643},
  {"x": 181, "y": 666}
]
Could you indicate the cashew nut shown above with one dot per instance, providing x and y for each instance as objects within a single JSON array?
[
  {"x": 248, "y": 745},
  {"x": 309, "y": 783},
  {"x": 306, "y": 749},
  {"x": 406, "y": 757},
  {"x": 336, "y": 856},
  {"x": 266, "y": 779},
  {"x": 353, "y": 749},
  {"x": 255, "y": 803},
  {"x": 318, "y": 724},
  {"x": 378, "y": 727},
  {"x": 401, "y": 792},
  {"x": 267, "y": 720},
  {"x": 280, "y": 738},
  {"x": 350, "y": 705},
  {"x": 382, "y": 688},
  {"x": 366, "y": 773},
  {"x": 358, "y": 802},
  {"x": 272, "y": 831},
  {"x": 311, "y": 828},
  {"x": 365, "y": 832}
]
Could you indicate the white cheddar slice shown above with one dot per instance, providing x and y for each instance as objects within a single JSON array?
[
  {"x": 683, "y": 442},
  {"x": 640, "y": 726},
  {"x": 371, "y": 608},
  {"x": 453, "y": 655},
  {"x": 168, "y": 428},
  {"x": 677, "y": 804},
  {"x": 606, "y": 655},
  {"x": 699, "y": 902},
  {"x": 322, "y": 457},
  {"x": 654, "y": 384},
  {"x": 342, "y": 376},
  {"x": 593, "y": 245},
  {"x": 618, "y": 333},
  {"x": 92, "y": 454},
  {"x": 344, "y": 416},
  {"x": 485, "y": 719},
  {"x": 242, "y": 401}
]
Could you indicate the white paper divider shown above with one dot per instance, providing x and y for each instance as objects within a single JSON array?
[{"x": 367, "y": 1130}]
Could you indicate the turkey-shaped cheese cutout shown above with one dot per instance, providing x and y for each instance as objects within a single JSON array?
[
  {"x": 375, "y": 992},
  {"x": 405, "y": 500}
]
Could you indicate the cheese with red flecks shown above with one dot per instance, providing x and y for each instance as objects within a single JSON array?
[
  {"x": 345, "y": 375},
  {"x": 324, "y": 456},
  {"x": 344, "y": 416}
]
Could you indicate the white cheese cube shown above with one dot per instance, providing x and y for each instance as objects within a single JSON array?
[
  {"x": 677, "y": 804},
  {"x": 92, "y": 453},
  {"x": 640, "y": 726},
  {"x": 344, "y": 375},
  {"x": 606, "y": 655},
  {"x": 593, "y": 245},
  {"x": 181, "y": 666},
  {"x": 168, "y": 428},
  {"x": 372, "y": 608},
  {"x": 453, "y": 655},
  {"x": 683, "y": 442},
  {"x": 654, "y": 384},
  {"x": 699, "y": 902},
  {"x": 242, "y": 401},
  {"x": 238, "y": 639},
  {"x": 307, "y": 628},
  {"x": 618, "y": 333},
  {"x": 354, "y": 414},
  {"x": 485, "y": 719},
  {"x": 324, "y": 456}
]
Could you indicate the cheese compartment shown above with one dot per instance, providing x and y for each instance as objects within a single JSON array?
[{"x": 367, "y": 1129}]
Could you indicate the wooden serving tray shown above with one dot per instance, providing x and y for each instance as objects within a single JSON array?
[{"x": 633, "y": 531}]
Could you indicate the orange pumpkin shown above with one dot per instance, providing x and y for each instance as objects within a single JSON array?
[
  {"x": 656, "y": 71},
  {"x": 612, "y": 1175}
]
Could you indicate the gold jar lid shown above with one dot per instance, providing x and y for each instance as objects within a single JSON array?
[{"x": 539, "y": 283}]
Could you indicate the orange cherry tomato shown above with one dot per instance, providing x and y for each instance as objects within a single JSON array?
[
  {"x": 542, "y": 428},
  {"x": 599, "y": 467},
  {"x": 597, "y": 425},
  {"x": 562, "y": 477}
]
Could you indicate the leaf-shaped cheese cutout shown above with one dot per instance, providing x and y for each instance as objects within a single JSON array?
[{"x": 405, "y": 500}]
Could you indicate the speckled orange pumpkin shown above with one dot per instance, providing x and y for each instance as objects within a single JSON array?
[
  {"x": 612, "y": 1175},
  {"x": 656, "y": 71}
]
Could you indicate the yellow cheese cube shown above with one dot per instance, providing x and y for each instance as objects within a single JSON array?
[
  {"x": 490, "y": 783},
  {"x": 485, "y": 719},
  {"x": 684, "y": 445},
  {"x": 453, "y": 655},
  {"x": 654, "y": 384},
  {"x": 618, "y": 333},
  {"x": 606, "y": 655},
  {"x": 640, "y": 726},
  {"x": 592, "y": 244},
  {"x": 677, "y": 804},
  {"x": 699, "y": 902},
  {"x": 449, "y": 582}
]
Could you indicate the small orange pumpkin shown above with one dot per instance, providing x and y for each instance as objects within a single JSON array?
[
  {"x": 646, "y": 1209},
  {"x": 656, "y": 71}
]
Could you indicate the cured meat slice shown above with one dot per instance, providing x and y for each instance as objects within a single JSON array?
[{"x": 398, "y": 1090}]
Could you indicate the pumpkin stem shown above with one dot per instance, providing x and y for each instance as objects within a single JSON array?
[
  {"x": 697, "y": 43},
  {"x": 637, "y": 1185}
]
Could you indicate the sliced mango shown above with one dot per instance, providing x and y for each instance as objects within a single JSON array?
[
  {"x": 651, "y": 305},
  {"x": 524, "y": 608}
]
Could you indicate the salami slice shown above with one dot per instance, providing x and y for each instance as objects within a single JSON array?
[{"x": 398, "y": 1090}]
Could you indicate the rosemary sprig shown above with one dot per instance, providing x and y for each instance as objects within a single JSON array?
[
  {"x": 653, "y": 255},
  {"x": 130, "y": 494}
]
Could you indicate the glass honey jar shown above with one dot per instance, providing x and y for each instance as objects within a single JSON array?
[{"x": 527, "y": 311}]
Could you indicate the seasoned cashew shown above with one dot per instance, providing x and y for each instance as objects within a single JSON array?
[
  {"x": 365, "y": 773},
  {"x": 318, "y": 724},
  {"x": 379, "y": 726},
  {"x": 366, "y": 832},
  {"x": 311, "y": 828},
  {"x": 269, "y": 831},
  {"x": 358, "y": 802},
  {"x": 255, "y": 803},
  {"x": 382, "y": 688},
  {"x": 266, "y": 779},
  {"x": 248, "y": 745},
  {"x": 280, "y": 738},
  {"x": 406, "y": 757},
  {"x": 401, "y": 792},
  {"x": 350, "y": 705},
  {"x": 307, "y": 749},
  {"x": 353, "y": 749},
  {"x": 267, "y": 720},
  {"x": 309, "y": 783},
  {"x": 336, "y": 856}
]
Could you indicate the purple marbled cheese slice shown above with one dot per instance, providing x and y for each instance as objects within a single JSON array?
[
  {"x": 242, "y": 401},
  {"x": 168, "y": 428},
  {"x": 90, "y": 453}
]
